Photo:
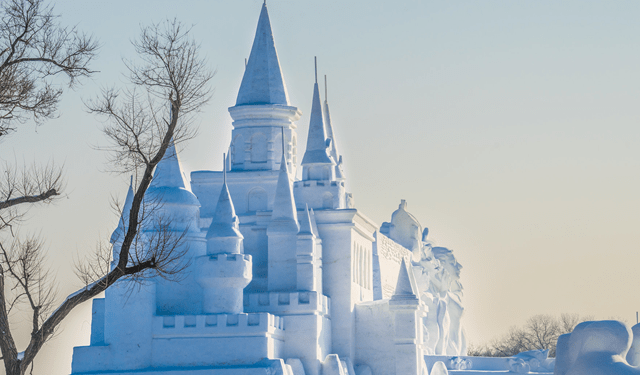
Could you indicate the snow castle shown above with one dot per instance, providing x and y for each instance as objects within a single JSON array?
[{"x": 282, "y": 276}]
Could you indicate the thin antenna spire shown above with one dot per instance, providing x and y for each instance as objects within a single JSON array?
[
  {"x": 265, "y": 3},
  {"x": 315, "y": 60},
  {"x": 224, "y": 168},
  {"x": 245, "y": 63},
  {"x": 131, "y": 182},
  {"x": 325, "y": 88}
]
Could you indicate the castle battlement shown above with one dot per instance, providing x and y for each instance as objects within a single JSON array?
[
  {"x": 217, "y": 325},
  {"x": 288, "y": 303},
  {"x": 310, "y": 183},
  {"x": 229, "y": 257}
]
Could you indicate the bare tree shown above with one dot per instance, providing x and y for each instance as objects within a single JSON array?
[
  {"x": 539, "y": 332},
  {"x": 34, "y": 49},
  {"x": 168, "y": 84}
]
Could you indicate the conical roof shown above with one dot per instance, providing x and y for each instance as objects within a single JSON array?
[
  {"x": 169, "y": 171},
  {"x": 263, "y": 82},
  {"x": 406, "y": 286},
  {"x": 123, "y": 223},
  {"x": 317, "y": 150},
  {"x": 168, "y": 183},
  {"x": 284, "y": 215},
  {"x": 333, "y": 152},
  {"x": 225, "y": 221}
]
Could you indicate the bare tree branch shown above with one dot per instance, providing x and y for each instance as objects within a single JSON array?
[
  {"x": 169, "y": 84},
  {"x": 34, "y": 48}
]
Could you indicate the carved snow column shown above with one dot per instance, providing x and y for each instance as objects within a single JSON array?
[
  {"x": 408, "y": 312},
  {"x": 225, "y": 271},
  {"x": 308, "y": 256},
  {"x": 282, "y": 234}
]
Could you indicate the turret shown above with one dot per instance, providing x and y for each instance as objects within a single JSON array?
[
  {"x": 322, "y": 184},
  {"x": 225, "y": 270},
  {"x": 408, "y": 313},
  {"x": 168, "y": 198},
  {"x": 262, "y": 109},
  {"x": 317, "y": 164},
  {"x": 282, "y": 235}
]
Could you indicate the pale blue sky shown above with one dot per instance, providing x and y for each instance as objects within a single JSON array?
[{"x": 511, "y": 128}]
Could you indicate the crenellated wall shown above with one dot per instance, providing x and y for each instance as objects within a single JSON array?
[{"x": 286, "y": 303}]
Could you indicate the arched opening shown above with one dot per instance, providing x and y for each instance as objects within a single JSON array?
[{"x": 257, "y": 199}]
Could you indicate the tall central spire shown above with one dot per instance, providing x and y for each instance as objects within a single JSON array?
[{"x": 262, "y": 82}]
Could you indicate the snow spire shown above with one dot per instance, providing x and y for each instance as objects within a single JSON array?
[
  {"x": 406, "y": 286},
  {"x": 333, "y": 150},
  {"x": 305, "y": 222},
  {"x": 314, "y": 224},
  {"x": 169, "y": 171},
  {"x": 285, "y": 215},
  {"x": 317, "y": 141},
  {"x": 262, "y": 82},
  {"x": 224, "y": 224},
  {"x": 123, "y": 223}
]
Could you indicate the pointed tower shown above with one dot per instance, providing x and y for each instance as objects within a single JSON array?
[
  {"x": 225, "y": 270},
  {"x": 333, "y": 152},
  {"x": 169, "y": 197},
  {"x": 408, "y": 313},
  {"x": 317, "y": 164},
  {"x": 319, "y": 187},
  {"x": 262, "y": 108},
  {"x": 282, "y": 234},
  {"x": 224, "y": 234}
]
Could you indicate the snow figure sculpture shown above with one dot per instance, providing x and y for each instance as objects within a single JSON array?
[
  {"x": 437, "y": 274},
  {"x": 633, "y": 357},
  {"x": 456, "y": 344},
  {"x": 596, "y": 348}
]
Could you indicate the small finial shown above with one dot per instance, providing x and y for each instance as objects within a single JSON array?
[
  {"x": 325, "y": 88},
  {"x": 265, "y": 3},
  {"x": 315, "y": 60},
  {"x": 245, "y": 63},
  {"x": 224, "y": 168},
  {"x": 131, "y": 182}
]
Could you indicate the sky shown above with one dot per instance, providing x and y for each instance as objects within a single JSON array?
[{"x": 510, "y": 127}]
